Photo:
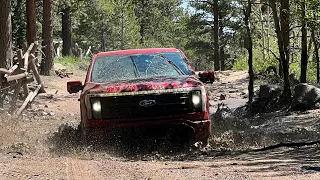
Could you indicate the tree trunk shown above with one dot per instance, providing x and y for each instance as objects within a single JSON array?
[
  {"x": 5, "y": 39},
  {"x": 268, "y": 29},
  {"x": 103, "y": 40},
  {"x": 304, "y": 45},
  {"x": 142, "y": 33},
  {"x": 47, "y": 31},
  {"x": 221, "y": 45},
  {"x": 247, "y": 13},
  {"x": 316, "y": 52},
  {"x": 31, "y": 21},
  {"x": 222, "y": 58},
  {"x": 283, "y": 42},
  {"x": 285, "y": 29},
  {"x": 5, "y": 35},
  {"x": 262, "y": 34},
  {"x": 122, "y": 29},
  {"x": 66, "y": 32},
  {"x": 216, "y": 35}
]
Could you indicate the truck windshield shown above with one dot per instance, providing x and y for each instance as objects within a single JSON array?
[{"x": 124, "y": 67}]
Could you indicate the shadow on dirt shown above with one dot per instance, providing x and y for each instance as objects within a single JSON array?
[{"x": 68, "y": 139}]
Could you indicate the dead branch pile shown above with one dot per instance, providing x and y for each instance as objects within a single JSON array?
[{"x": 20, "y": 82}]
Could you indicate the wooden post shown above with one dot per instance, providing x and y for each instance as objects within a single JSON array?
[
  {"x": 21, "y": 65},
  {"x": 29, "y": 49},
  {"x": 16, "y": 77},
  {"x": 34, "y": 48},
  {"x": 35, "y": 72},
  {"x": 26, "y": 61}
]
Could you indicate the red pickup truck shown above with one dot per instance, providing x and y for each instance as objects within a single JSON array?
[{"x": 154, "y": 89}]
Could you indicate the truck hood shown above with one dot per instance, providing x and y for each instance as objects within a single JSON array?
[{"x": 147, "y": 84}]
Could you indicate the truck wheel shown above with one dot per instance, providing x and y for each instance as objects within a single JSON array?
[
  {"x": 212, "y": 80},
  {"x": 86, "y": 135},
  {"x": 205, "y": 141}
]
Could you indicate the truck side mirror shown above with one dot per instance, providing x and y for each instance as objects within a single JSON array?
[
  {"x": 74, "y": 86},
  {"x": 206, "y": 76}
]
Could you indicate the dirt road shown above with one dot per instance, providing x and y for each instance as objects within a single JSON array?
[{"x": 44, "y": 144}]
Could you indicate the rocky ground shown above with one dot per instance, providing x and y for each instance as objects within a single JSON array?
[{"x": 44, "y": 143}]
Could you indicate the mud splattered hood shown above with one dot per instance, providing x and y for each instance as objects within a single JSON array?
[{"x": 147, "y": 84}]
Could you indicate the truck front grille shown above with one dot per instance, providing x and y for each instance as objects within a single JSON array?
[{"x": 123, "y": 107}]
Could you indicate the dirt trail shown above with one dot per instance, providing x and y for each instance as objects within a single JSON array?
[
  {"x": 44, "y": 145},
  {"x": 82, "y": 169},
  {"x": 230, "y": 89}
]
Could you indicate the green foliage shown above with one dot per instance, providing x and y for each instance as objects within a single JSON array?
[
  {"x": 311, "y": 71},
  {"x": 66, "y": 60},
  {"x": 18, "y": 22},
  {"x": 313, "y": 13},
  {"x": 73, "y": 63},
  {"x": 107, "y": 25},
  {"x": 258, "y": 64}
]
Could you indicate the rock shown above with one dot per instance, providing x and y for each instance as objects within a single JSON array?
[
  {"x": 59, "y": 67},
  {"x": 233, "y": 91},
  {"x": 305, "y": 97},
  {"x": 222, "y": 97},
  {"x": 223, "y": 112},
  {"x": 269, "y": 91}
]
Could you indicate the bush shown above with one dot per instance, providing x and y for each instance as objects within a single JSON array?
[
  {"x": 258, "y": 64},
  {"x": 311, "y": 71}
]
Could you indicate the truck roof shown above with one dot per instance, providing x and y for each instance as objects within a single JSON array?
[{"x": 137, "y": 51}]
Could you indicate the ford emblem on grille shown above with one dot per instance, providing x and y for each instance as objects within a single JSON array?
[{"x": 147, "y": 103}]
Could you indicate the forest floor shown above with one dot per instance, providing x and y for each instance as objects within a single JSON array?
[{"x": 44, "y": 144}]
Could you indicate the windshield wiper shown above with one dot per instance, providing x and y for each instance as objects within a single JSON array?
[
  {"x": 136, "y": 72},
  {"x": 172, "y": 63}
]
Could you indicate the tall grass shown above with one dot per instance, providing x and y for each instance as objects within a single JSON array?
[{"x": 73, "y": 63}]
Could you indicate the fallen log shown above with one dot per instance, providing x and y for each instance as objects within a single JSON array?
[
  {"x": 13, "y": 68},
  {"x": 16, "y": 77},
  {"x": 8, "y": 72},
  {"x": 29, "y": 99},
  {"x": 26, "y": 61},
  {"x": 35, "y": 72},
  {"x": 34, "y": 48},
  {"x": 4, "y": 71},
  {"x": 26, "y": 54}
]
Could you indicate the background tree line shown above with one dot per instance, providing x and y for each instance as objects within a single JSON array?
[{"x": 219, "y": 35}]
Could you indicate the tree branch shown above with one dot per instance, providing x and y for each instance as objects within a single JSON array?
[{"x": 274, "y": 54}]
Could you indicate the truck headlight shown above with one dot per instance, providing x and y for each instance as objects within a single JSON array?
[
  {"x": 196, "y": 99},
  {"x": 96, "y": 108}
]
